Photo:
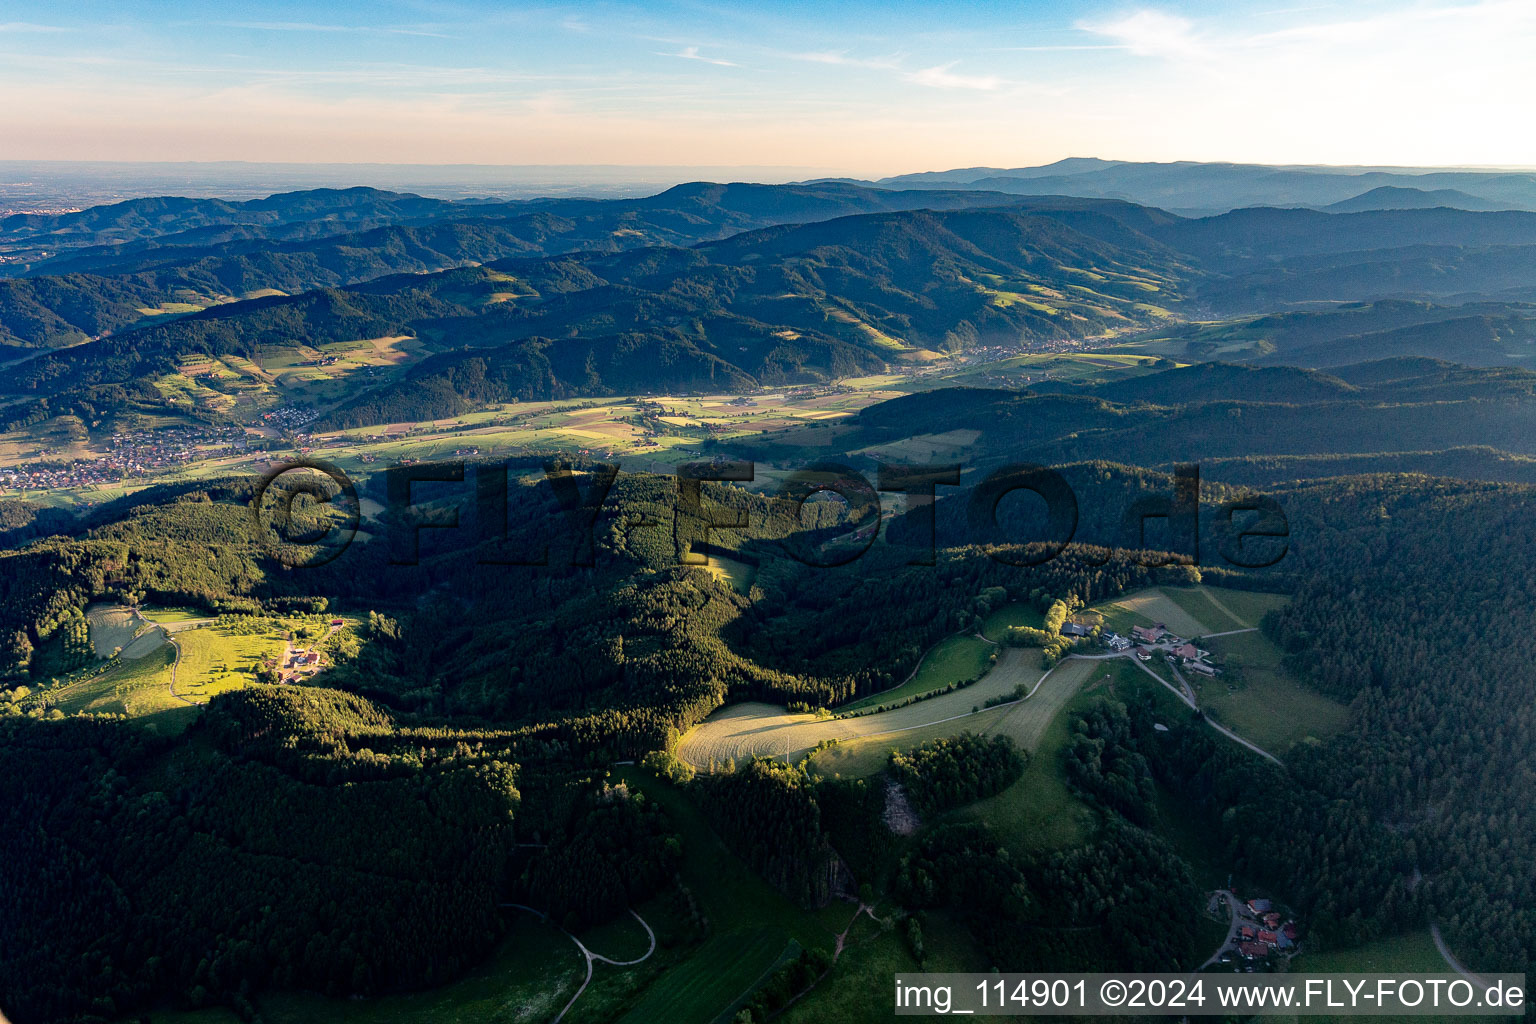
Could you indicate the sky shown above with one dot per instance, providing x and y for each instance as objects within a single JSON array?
[{"x": 859, "y": 88}]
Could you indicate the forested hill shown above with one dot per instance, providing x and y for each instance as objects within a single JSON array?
[
  {"x": 785, "y": 304},
  {"x": 1239, "y": 417},
  {"x": 107, "y": 265},
  {"x": 107, "y": 268}
]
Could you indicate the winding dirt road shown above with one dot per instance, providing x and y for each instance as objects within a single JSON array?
[{"x": 590, "y": 956}]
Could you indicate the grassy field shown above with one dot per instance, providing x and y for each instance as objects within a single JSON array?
[
  {"x": 1145, "y": 607},
  {"x": 1268, "y": 706},
  {"x": 752, "y": 729},
  {"x": 953, "y": 659},
  {"x": 738, "y": 574},
  {"x": 1039, "y": 811},
  {"x": 134, "y": 686},
  {"x": 859, "y": 986},
  {"x": 1019, "y": 613},
  {"x": 215, "y": 659},
  {"x": 720, "y": 973},
  {"x": 861, "y": 758},
  {"x": 1026, "y": 722},
  {"x": 751, "y": 924},
  {"x": 168, "y": 616},
  {"x": 1410, "y": 953},
  {"x": 1066, "y": 367}
]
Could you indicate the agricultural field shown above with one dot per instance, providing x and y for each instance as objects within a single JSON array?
[
  {"x": 1267, "y": 704},
  {"x": 757, "y": 730},
  {"x": 950, "y": 446},
  {"x": 1222, "y": 610},
  {"x": 112, "y": 627},
  {"x": 213, "y": 660},
  {"x": 953, "y": 659},
  {"x": 1055, "y": 367},
  {"x": 173, "y": 616},
  {"x": 138, "y": 687},
  {"x": 1145, "y": 607},
  {"x": 861, "y": 758},
  {"x": 1409, "y": 953},
  {"x": 1039, "y": 811},
  {"x": 1026, "y": 722}
]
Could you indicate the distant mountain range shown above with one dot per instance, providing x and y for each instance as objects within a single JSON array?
[
  {"x": 730, "y": 286},
  {"x": 1202, "y": 189}
]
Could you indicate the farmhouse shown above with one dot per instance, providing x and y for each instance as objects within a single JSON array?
[
  {"x": 1149, "y": 634},
  {"x": 1074, "y": 629}
]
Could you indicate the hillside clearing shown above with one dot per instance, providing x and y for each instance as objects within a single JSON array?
[{"x": 766, "y": 730}]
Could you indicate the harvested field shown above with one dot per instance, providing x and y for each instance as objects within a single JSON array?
[
  {"x": 1025, "y": 723},
  {"x": 1149, "y": 606},
  {"x": 112, "y": 626},
  {"x": 757, "y": 730}
]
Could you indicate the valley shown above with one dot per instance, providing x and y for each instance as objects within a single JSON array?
[{"x": 546, "y": 766}]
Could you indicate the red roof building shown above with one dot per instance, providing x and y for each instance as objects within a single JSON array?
[
  {"x": 1252, "y": 950},
  {"x": 1245, "y": 932},
  {"x": 1268, "y": 938}
]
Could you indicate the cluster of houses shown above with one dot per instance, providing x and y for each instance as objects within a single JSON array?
[
  {"x": 1146, "y": 639},
  {"x": 289, "y": 417},
  {"x": 130, "y": 454},
  {"x": 296, "y": 665},
  {"x": 1263, "y": 930}
]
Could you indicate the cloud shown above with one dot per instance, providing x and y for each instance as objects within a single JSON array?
[
  {"x": 940, "y": 77},
  {"x": 1153, "y": 34},
  {"x": 841, "y": 59},
  {"x": 304, "y": 26},
  {"x": 692, "y": 53},
  {"x": 29, "y": 26}
]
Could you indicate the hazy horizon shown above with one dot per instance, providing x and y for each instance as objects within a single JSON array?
[{"x": 860, "y": 89}]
